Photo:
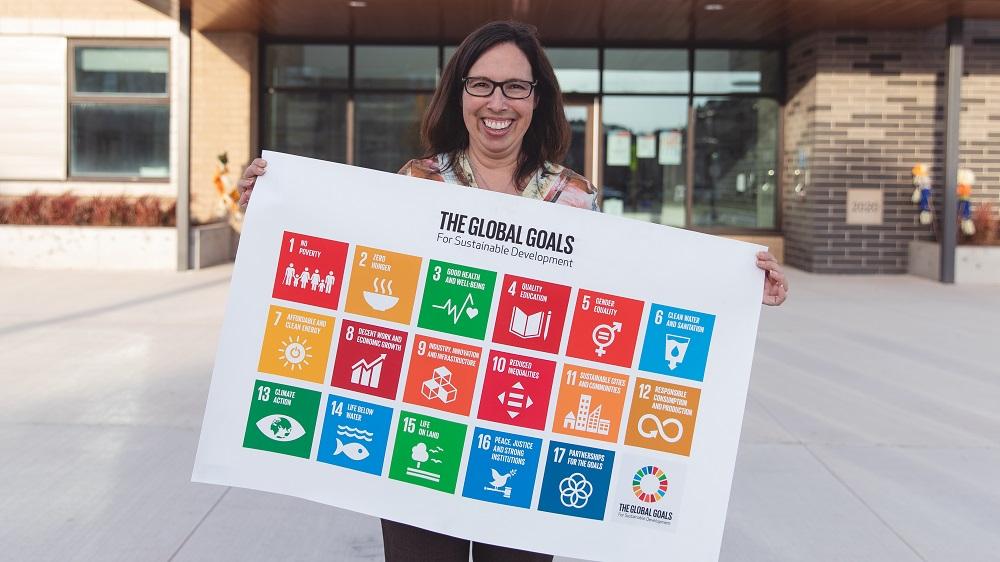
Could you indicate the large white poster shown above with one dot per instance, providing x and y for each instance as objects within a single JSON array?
[{"x": 486, "y": 366}]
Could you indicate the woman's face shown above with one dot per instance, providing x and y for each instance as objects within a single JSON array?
[{"x": 497, "y": 124}]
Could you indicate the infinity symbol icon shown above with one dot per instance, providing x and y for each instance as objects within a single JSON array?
[{"x": 660, "y": 428}]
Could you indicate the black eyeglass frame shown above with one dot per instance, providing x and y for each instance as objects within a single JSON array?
[{"x": 501, "y": 85}]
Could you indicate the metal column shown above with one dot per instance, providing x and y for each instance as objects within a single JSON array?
[
  {"x": 182, "y": 48},
  {"x": 953, "y": 108}
]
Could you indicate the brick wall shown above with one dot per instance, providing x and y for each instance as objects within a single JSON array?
[
  {"x": 862, "y": 109},
  {"x": 223, "y": 112},
  {"x": 800, "y": 132},
  {"x": 91, "y": 9},
  {"x": 980, "y": 122}
]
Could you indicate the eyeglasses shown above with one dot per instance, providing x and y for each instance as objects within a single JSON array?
[{"x": 512, "y": 89}]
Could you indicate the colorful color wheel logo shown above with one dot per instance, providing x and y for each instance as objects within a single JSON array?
[{"x": 649, "y": 484}]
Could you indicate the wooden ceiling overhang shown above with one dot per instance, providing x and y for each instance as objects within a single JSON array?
[{"x": 583, "y": 22}]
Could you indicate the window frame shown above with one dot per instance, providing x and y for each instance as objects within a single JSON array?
[
  {"x": 72, "y": 98},
  {"x": 596, "y": 99}
]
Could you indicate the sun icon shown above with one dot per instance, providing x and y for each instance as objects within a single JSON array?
[{"x": 295, "y": 353}]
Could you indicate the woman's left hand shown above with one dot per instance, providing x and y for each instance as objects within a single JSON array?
[{"x": 775, "y": 283}]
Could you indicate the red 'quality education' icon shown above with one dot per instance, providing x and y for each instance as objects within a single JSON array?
[
  {"x": 310, "y": 270},
  {"x": 531, "y": 313},
  {"x": 516, "y": 390}
]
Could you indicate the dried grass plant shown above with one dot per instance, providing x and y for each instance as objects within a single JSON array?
[{"x": 68, "y": 209}]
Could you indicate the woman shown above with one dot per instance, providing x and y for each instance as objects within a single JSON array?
[{"x": 496, "y": 122}]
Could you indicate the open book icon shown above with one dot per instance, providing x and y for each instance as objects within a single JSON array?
[{"x": 530, "y": 326}]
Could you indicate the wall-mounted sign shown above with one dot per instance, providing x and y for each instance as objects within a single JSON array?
[
  {"x": 670, "y": 148},
  {"x": 864, "y": 206},
  {"x": 619, "y": 148}
]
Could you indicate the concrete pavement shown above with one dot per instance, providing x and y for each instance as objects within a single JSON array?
[{"x": 872, "y": 428}]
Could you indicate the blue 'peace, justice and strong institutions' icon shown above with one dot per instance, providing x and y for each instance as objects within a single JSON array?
[
  {"x": 676, "y": 342},
  {"x": 355, "y": 434},
  {"x": 502, "y": 467}
]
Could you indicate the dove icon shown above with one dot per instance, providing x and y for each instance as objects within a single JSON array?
[{"x": 499, "y": 482}]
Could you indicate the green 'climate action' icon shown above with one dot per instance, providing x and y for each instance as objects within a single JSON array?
[
  {"x": 457, "y": 299},
  {"x": 427, "y": 452},
  {"x": 282, "y": 419}
]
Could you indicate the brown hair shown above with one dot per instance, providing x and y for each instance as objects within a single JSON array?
[{"x": 547, "y": 138}]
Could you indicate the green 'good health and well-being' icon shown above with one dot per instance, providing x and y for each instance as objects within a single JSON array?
[
  {"x": 282, "y": 419},
  {"x": 457, "y": 299},
  {"x": 427, "y": 452}
]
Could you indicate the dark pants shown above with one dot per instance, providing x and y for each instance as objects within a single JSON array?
[{"x": 404, "y": 543}]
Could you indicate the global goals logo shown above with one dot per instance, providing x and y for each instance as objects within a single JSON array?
[{"x": 649, "y": 487}]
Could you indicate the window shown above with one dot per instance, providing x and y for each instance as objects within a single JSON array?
[
  {"x": 644, "y": 163},
  {"x": 680, "y": 136},
  {"x": 721, "y": 71},
  {"x": 305, "y": 100},
  {"x": 577, "y": 70},
  {"x": 395, "y": 67},
  {"x": 646, "y": 71},
  {"x": 319, "y": 66},
  {"x": 119, "y": 110},
  {"x": 387, "y": 129},
  {"x": 308, "y": 123},
  {"x": 735, "y": 162}
]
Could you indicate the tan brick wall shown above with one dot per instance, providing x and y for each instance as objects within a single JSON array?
[
  {"x": 91, "y": 9},
  {"x": 223, "y": 111},
  {"x": 866, "y": 106},
  {"x": 799, "y": 135},
  {"x": 877, "y": 110},
  {"x": 980, "y": 121}
]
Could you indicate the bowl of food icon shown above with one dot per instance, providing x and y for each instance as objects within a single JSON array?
[{"x": 380, "y": 302}]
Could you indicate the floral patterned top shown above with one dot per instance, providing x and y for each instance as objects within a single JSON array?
[{"x": 552, "y": 182}]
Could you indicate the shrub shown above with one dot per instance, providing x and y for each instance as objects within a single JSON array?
[
  {"x": 26, "y": 210},
  {"x": 60, "y": 209},
  {"x": 69, "y": 209},
  {"x": 987, "y": 225}
]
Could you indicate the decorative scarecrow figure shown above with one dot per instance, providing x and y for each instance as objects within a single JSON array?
[
  {"x": 922, "y": 192},
  {"x": 229, "y": 196},
  {"x": 965, "y": 180}
]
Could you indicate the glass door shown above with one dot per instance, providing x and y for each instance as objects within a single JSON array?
[
  {"x": 580, "y": 159},
  {"x": 645, "y": 139}
]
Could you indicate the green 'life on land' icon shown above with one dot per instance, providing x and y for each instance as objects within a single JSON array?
[{"x": 427, "y": 452}]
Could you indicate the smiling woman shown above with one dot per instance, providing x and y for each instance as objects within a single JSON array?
[{"x": 497, "y": 122}]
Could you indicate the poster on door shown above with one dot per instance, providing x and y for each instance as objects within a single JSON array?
[{"x": 415, "y": 350}]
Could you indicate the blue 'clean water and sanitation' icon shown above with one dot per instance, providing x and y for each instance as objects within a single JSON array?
[
  {"x": 677, "y": 342},
  {"x": 354, "y": 434}
]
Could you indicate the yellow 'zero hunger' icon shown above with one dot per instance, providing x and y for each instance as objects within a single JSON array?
[{"x": 383, "y": 284}]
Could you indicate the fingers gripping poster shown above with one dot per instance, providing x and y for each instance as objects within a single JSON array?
[{"x": 486, "y": 366}]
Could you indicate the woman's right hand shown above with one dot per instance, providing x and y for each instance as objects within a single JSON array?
[{"x": 245, "y": 184}]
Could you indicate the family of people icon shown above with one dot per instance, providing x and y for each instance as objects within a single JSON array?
[{"x": 311, "y": 281}]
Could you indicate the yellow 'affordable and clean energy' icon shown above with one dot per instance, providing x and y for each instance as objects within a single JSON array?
[
  {"x": 296, "y": 344},
  {"x": 295, "y": 353}
]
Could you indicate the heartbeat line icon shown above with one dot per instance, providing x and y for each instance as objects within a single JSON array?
[{"x": 456, "y": 312}]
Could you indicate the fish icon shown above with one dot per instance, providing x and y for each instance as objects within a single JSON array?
[{"x": 353, "y": 451}]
